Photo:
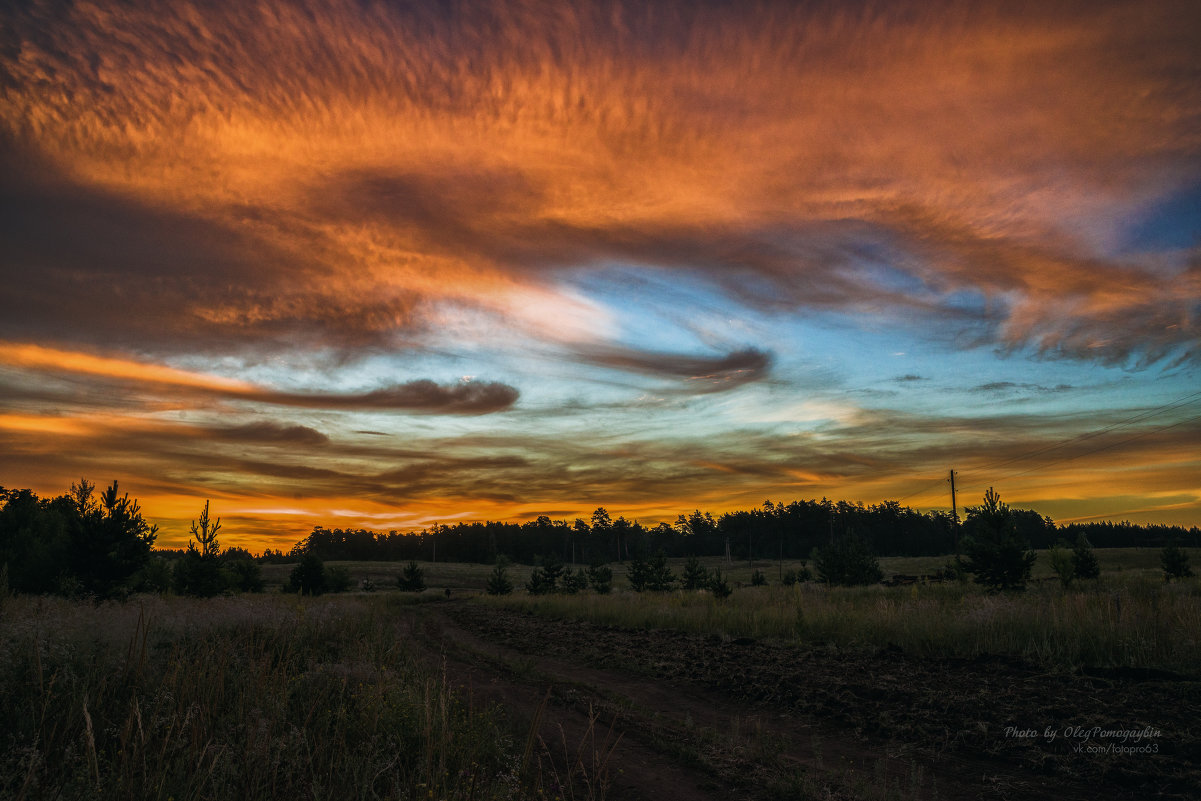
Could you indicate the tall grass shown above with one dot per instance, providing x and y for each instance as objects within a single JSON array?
[
  {"x": 249, "y": 698},
  {"x": 1128, "y": 621}
]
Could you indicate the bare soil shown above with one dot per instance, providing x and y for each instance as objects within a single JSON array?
[{"x": 685, "y": 716}]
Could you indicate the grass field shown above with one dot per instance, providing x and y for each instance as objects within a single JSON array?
[
  {"x": 251, "y": 697},
  {"x": 1128, "y": 618},
  {"x": 463, "y": 576},
  {"x": 276, "y": 696}
]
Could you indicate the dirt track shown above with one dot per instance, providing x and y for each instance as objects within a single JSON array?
[{"x": 705, "y": 717}]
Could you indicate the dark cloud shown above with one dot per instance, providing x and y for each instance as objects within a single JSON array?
[
  {"x": 271, "y": 433},
  {"x": 86, "y": 266},
  {"x": 473, "y": 397},
  {"x": 703, "y": 373},
  {"x": 908, "y": 378}
]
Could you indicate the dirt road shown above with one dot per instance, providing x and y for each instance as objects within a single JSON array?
[{"x": 683, "y": 716}]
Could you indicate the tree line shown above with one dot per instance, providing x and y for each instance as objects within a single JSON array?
[
  {"x": 772, "y": 531},
  {"x": 99, "y": 544}
]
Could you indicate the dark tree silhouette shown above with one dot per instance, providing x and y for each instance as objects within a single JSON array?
[
  {"x": 412, "y": 579},
  {"x": 1175, "y": 562},
  {"x": 198, "y": 572},
  {"x": 997, "y": 555},
  {"x": 847, "y": 562},
  {"x": 498, "y": 581},
  {"x": 1084, "y": 561},
  {"x": 308, "y": 577}
]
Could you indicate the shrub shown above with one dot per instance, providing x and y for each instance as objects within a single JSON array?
[
  {"x": 847, "y": 562},
  {"x": 718, "y": 585},
  {"x": 650, "y": 574},
  {"x": 337, "y": 579},
  {"x": 498, "y": 581},
  {"x": 1175, "y": 562},
  {"x": 308, "y": 577},
  {"x": 575, "y": 582},
  {"x": 997, "y": 557},
  {"x": 797, "y": 576},
  {"x": 1063, "y": 564},
  {"x": 155, "y": 576},
  {"x": 758, "y": 579},
  {"x": 695, "y": 576},
  {"x": 412, "y": 579},
  {"x": 545, "y": 578},
  {"x": 600, "y": 576},
  {"x": 242, "y": 575},
  {"x": 1084, "y": 561}
]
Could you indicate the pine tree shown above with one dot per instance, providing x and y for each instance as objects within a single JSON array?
[
  {"x": 412, "y": 579},
  {"x": 498, "y": 581},
  {"x": 695, "y": 576},
  {"x": 1175, "y": 562},
  {"x": 996, "y": 555},
  {"x": 1084, "y": 561}
]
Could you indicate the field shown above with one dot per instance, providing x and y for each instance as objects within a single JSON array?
[{"x": 909, "y": 692}]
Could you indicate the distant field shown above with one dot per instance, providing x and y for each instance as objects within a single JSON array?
[{"x": 463, "y": 576}]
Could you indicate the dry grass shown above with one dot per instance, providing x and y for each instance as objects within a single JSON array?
[
  {"x": 1128, "y": 620},
  {"x": 249, "y": 698}
]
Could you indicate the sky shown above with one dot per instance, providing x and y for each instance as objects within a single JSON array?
[{"x": 380, "y": 264}]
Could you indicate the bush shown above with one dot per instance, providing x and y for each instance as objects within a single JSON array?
[
  {"x": 997, "y": 557},
  {"x": 650, "y": 574},
  {"x": 412, "y": 579},
  {"x": 1084, "y": 561},
  {"x": 600, "y": 576},
  {"x": 575, "y": 582},
  {"x": 758, "y": 579},
  {"x": 155, "y": 576},
  {"x": 798, "y": 576},
  {"x": 1175, "y": 562},
  {"x": 1063, "y": 564},
  {"x": 695, "y": 576},
  {"x": 545, "y": 578},
  {"x": 337, "y": 579},
  {"x": 308, "y": 577},
  {"x": 498, "y": 581},
  {"x": 718, "y": 585},
  {"x": 848, "y": 562}
]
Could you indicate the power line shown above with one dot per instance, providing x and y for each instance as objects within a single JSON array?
[
  {"x": 1185, "y": 401},
  {"x": 1144, "y": 415},
  {"x": 1104, "y": 447}
]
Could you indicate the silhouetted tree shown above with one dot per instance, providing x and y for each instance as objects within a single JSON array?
[
  {"x": 198, "y": 571},
  {"x": 544, "y": 579},
  {"x": 695, "y": 576},
  {"x": 498, "y": 581},
  {"x": 575, "y": 582},
  {"x": 600, "y": 576},
  {"x": 1084, "y": 561},
  {"x": 308, "y": 577},
  {"x": 337, "y": 578},
  {"x": 718, "y": 585},
  {"x": 110, "y": 540},
  {"x": 1175, "y": 562},
  {"x": 847, "y": 561},
  {"x": 412, "y": 579},
  {"x": 996, "y": 555}
]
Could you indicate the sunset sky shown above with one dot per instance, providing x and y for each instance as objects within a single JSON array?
[{"x": 382, "y": 265}]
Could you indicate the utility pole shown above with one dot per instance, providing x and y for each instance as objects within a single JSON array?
[{"x": 954, "y": 515}]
